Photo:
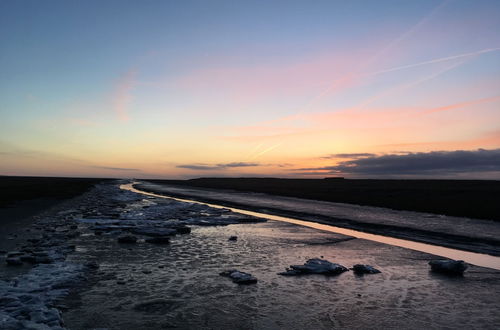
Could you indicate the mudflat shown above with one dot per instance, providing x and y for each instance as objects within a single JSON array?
[
  {"x": 91, "y": 278},
  {"x": 462, "y": 198},
  {"x": 475, "y": 235}
]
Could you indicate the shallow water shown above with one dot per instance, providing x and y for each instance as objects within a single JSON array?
[
  {"x": 476, "y": 229},
  {"x": 477, "y": 259},
  {"x": 188, "y": 293},
  {"x": 146, "y": 286}
]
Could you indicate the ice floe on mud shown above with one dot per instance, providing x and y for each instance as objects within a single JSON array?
[
  {"x": 239, "y": 277},
  {"x": 325, "y": 267},
  {"x": 157, "y": 217},
  {"x": 30, "y": 301},
  {"x": 26, "y": 302},
  {"x": 315, "y": 266}
]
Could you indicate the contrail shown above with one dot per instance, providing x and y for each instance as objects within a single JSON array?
[
  {"x": 354, "y": 74},
  {"x": 254, "y": 150},
  {"x": 436, "y": 60},
  {"x": 267, "y": 150},
  {"x": 413, "y": 84},
  {"x": 409, "y": 32}
]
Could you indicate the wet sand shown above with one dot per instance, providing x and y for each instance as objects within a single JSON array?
[{"x": 149, "y": 286}]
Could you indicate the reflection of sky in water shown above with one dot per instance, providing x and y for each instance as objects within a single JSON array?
[
  {"x": 469, "y": 257},
  {"x": 178, "y": 285}
]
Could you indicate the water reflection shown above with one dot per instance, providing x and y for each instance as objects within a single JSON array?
[{"x": 477, "y": 259}]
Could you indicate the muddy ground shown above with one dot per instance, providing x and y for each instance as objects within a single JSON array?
[{"x": 177, "y": 285}]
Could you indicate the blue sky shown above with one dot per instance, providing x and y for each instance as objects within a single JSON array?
[{"x": 154, "y": 85}]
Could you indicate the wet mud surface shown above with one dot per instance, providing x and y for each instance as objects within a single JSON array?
[
  {"x": 177, "y": 285},
  {"x": 474, "y": 235}
]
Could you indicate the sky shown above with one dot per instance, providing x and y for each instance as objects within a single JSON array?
[{"x": 299, "y": 89}]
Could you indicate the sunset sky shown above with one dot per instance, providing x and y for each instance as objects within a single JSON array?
[{"x": 181, "y": 89}]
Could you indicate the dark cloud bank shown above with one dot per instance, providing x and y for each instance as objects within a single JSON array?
[{"x": 422, "y": 163}]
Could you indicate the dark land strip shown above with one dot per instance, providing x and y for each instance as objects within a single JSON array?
[
  {"x": 23, "y": 198},
  {"x": 14, "y": 189}
]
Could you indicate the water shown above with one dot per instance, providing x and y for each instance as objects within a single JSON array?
[
  {"x": 177, "y": 285},
  {"x": 477, "y": 259}
]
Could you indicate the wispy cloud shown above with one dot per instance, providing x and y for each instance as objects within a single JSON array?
[
  {"x": 115, "y": 168},
  {"x": 122, "y": 96},
  {"x": 390, "y": 119},
  {"x": 201, "y": 167},
  {"x": 207, "y": 167},
  {"x": 489, "y": 139},
  {"x": 350, "y": 155},
  {"x": 461, "y": 105},
  {"x": 16, "y": 151}
]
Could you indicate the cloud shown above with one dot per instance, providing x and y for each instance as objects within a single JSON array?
[
  {"x": 462, "y": 104},
  {"x": 116, "y": 168},
  {"x": 239, "y": 164},
  {"x": 198, "y": 167},
  {"x": 353, "y": 155},
  {"x": 421, "y": 163},
  {"x": 17, "y": 152},
  {"x": 122, "y": 96},
  {"x": 247, "y": 85},
  {"x": 356, "y": 123},
  {"x": 206, "y": 167}
]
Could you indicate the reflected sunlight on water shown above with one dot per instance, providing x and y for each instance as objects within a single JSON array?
[{"x": 478, "y": 259}]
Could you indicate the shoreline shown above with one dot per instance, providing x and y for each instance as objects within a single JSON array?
[
  {"x": 27, "y": 200},
  {"x": 486, "y": 245}
]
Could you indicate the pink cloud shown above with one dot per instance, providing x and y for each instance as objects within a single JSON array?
[
  {"x": 246, "y": 85},
  {"x": 489, "y": 139},
  {"x": 122, "y": 95},
  {"x": 401, "y": 123},
  {"x": 462, "y": 105}
]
